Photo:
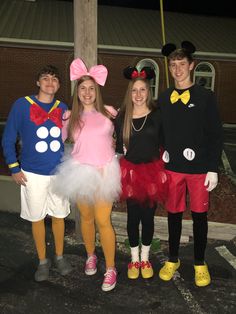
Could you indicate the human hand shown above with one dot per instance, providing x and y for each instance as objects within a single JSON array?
[
  {"x": 19, "y": 178},
  {"x": 211, "y": 180}
]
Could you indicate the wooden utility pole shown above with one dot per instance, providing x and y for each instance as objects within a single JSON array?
[
  {"x": 85, "y": 47},
  {"x": 85, "y": 31}
]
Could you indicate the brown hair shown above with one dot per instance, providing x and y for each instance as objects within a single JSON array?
[
  {"x": 180, "y": 54},
  {"x": 75, "y": 121},
  {"x": 127, "y": 108}
]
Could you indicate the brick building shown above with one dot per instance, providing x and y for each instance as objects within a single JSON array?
[{"x": 35, "y": 33}]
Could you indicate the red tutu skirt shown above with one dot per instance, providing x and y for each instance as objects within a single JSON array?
[{"x": 145, "y": 182}]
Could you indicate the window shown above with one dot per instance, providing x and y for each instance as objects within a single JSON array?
[
  {"x": 204, "y": 75},
  {"x": 155, "y": 81}
]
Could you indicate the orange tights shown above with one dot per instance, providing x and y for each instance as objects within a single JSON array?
[
  {"x": 99, "y": 213},
  {"x": 58, "y": 229}
]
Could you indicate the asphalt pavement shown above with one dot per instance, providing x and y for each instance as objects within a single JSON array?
[{"x": 78, "y": 293}]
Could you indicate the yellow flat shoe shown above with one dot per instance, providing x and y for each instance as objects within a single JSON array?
[
  {"x": 133, "y": 270},
  {"x": 167, "y": 271},
  {"x": 146, "y": 269},
  {"x": 202, "y": 276}
]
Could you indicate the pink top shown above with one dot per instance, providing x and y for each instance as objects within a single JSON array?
[{"x": 93, "y": 143}]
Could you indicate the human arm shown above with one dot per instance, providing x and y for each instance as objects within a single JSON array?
[
  {"x": 118, "y": 136},
  {"x": 113, "y": 113},
  {"x": 65, "y": 124},
  {"x": 214, "y": 135},
  {"x": 111, "y": 110},
  {"x": 9, "y": 138}
]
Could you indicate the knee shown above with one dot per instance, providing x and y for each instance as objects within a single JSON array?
[
  {"x": 87, "y": 220},
  {"x": 103, "y": 223},
  {"x": 57, "y": 221},
  {"x": 199, "y": 217}
]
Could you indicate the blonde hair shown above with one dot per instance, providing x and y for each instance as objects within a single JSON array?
[
  {"x": 75, "y": 121},
  {"x": 127, "y": 108}
]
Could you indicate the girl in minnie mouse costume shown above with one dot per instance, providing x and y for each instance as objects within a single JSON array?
[
  {"x": 193, "y": 146},
  {"x": 90, "y": 174},
  {"x": 143, "y": 179}
]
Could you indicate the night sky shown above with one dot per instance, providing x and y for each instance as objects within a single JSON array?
[{"x": 203, "y": 7}]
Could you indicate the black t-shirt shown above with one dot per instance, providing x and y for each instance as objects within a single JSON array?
[{"x": 145, "y": 137}]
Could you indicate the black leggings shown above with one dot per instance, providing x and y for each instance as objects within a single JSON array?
[
  {"x": 200, "y": 230},
  {"x": 140, "y": 213}
]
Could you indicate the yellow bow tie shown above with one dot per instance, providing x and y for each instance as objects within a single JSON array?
[{"x": 184, "y": 97}]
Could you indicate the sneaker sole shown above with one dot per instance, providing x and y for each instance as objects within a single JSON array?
[
  {"x": 45, "y": 278},
  {"x": 41, "y": 279},
  {"x": 109, "y": 288},
  {"x": 90, "y": 273}
]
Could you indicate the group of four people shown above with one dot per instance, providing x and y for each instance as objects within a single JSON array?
[{"x": 160, "y": 151}]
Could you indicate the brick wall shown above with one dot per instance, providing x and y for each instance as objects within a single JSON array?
[{"x": 19, "y": 66}]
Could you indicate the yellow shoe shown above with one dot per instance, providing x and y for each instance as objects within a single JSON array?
[
  {"x": 202, "y": 276},
  {"x": 133, "y": 270},
  {"x": 146, "y": 269},
  {"x": 168, "y": 270}
]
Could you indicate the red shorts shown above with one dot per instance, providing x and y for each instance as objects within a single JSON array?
[{"x": 179, "y": 184}]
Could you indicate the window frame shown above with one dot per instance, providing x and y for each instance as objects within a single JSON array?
[
  {"x": 205, "y": 74},
  {"x": 154, "y": 82}
]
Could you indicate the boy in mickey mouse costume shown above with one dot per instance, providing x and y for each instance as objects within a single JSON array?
[{"x": 192, "y": 151}]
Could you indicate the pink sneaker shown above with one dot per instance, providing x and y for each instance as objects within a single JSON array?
[
  {"x": 109, "y": 281},
  {"x": 91, "y": 265}
]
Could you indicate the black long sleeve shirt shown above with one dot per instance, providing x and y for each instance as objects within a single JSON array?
[{"x": 192, "y": 132}]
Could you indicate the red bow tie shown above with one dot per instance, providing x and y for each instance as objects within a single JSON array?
[{"x": 39, "y": 116}]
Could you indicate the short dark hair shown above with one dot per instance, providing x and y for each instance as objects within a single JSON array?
[{"x": 49, "y": 69}]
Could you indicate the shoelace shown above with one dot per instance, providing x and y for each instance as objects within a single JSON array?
[
  {"x": 91, "y": 262},
  {"x": 108, "y": 275}
]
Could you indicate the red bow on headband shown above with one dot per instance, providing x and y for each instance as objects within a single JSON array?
[
  {"x": 39, "y": 116},
  {"x": 141, "y": 74},
  {"x": 97, "y": 72}
]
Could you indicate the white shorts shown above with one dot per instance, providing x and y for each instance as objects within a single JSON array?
[{"x": 38, "y": 200}]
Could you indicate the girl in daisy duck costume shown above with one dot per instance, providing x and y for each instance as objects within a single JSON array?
[
  {"x": 192, "y": 151},
  {"x": 89, "y": 174},
  {"x": 37, "y": 121},
  {"x": 143, "y": 178}
]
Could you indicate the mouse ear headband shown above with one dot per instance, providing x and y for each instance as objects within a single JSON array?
[
  {"x": 169, "y": 48},
  {"x": 97, "y": 72},
  {"x": 131, "y": 73}
]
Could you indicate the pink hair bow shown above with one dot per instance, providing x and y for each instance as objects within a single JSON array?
[{"x": 97, "y": 72}]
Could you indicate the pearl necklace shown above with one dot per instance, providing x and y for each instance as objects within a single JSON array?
[{"x": 144, "y": 121}]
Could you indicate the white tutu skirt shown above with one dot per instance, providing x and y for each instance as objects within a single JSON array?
[{"x": 85, "y": 183}]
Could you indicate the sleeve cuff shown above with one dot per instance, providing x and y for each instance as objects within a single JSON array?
[
  {"x": 15, "y": 164},
  {"x": 14, "y": 167}
]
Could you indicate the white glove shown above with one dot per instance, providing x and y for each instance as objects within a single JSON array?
[{"x": 211, "y": 180}]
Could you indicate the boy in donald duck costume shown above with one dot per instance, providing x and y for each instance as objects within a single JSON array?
[
  {"x": 193, "y": 145},
  {"x": 37, "y": 121}
]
